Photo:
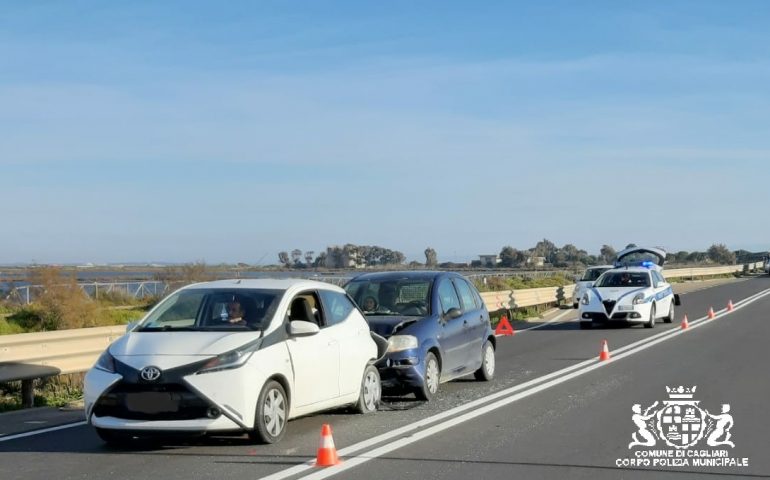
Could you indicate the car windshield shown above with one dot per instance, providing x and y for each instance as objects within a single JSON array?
[
  {"x": 391, "y": 297},
  {"x": 592, "y": 274},
  {"x": 213, "y": 309},
  {"x": 624, "y": 279}
]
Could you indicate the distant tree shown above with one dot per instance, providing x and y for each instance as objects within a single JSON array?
[
  {"x": 719, "y": 253},
  {"x": 431, "y": 259},
  {"x": 283, "y": 257},
  {"x": 512, "y": 258},
  {"x": 544, "y": 248},
  {"x": 681, "y": 256},
  {"x": 296, "y": 255},
  {"x": 320, "y": 260},
  {"x": 696, "y": 257},
  {"x": 607, "y": 254},
  {"x": 309, "y": 258}
]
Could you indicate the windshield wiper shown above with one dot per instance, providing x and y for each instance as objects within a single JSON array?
[{"x": 168, "y": 328}]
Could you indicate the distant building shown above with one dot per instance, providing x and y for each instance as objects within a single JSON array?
[
  {"x": 489, "y": 260},
  {"x": 536, "y": 261},
  {"x": 343, "y": 257}
]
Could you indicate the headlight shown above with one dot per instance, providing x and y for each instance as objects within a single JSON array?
[
  {"x": 232, "y": 359},
  {"x": 105, "y": 362},
  {"x": 638, "y": 299},
  {"x": 585, "y": 300},
  {"x": 397, "y": 343}
]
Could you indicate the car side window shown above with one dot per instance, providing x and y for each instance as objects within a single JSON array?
[
  {"x": 659, "y": 278},
  {"x": 306, "y": 307},
  {"x": 466, "y": 295},
  {"x": 655, "y": 279},
  {"x": 336, "y": 307},
  {"x": 447, "y": 295}
]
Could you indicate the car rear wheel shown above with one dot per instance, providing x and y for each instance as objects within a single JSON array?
[
  {"x": 651, "y": 322},
  {"x": 271, "y": 415},
  {"x": 430, "y": 380},
  {"x": 670, "y": 317},
  {"x": 487, "y": 369},
  {"x": 370, "y": 395}
]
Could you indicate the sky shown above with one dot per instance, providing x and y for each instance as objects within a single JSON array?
[{"x": 229, "y": 131}]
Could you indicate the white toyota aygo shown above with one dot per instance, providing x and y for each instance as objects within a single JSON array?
[
  {"x": 235, "y": 356},
  {"x": 635, "y": 291}
]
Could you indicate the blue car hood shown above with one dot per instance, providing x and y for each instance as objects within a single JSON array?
[{"x": 386, "y": 325}]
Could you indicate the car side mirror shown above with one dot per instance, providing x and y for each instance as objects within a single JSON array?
[
  {"x": 300, "y": 328},
  {"x": 453, "y": 313},
  {"x": 131, "y": 326}
]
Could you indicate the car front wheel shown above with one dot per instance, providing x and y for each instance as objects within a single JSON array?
[
  {"x": 487, "y": 369},
  {"x": 369, "y": 398},
  {"x": 271, "y": 415},
  {"x": 651, "y": 322},
  {"x": 670, "y": 317},
  {"x": 430, "y": 380}
]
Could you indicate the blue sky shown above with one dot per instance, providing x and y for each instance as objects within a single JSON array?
[{"x": 226, "y": 132}]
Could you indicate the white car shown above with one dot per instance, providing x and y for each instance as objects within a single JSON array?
[
  {"x": 587, "y": 281},
  {"x": 235, "y": 356},
  {"x": 634, "y": 291}
]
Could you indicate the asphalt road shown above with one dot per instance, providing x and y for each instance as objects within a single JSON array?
[{"x": 552, "y": 410}]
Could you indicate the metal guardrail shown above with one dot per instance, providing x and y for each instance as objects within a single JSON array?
[{"x": 75, "y": 351}]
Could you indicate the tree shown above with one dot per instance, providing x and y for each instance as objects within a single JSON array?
[
  {"x": 681, "y": 256},
  {"x": 283, "y": 257},
  {"x": 719, "y": 253},
  {"x": 544, "y": 248},
  {"x": 309, "y": 257},
  {"x": 512, "y": 258},
  {"x": 296, "y": 255},
  {"x": 607, "y": 254},
  {"x": 431, "y": 259}
]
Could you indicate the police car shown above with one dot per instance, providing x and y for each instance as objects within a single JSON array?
[
  {"x": 586, "y": 281},
  {"x": 634, "y": 291}
]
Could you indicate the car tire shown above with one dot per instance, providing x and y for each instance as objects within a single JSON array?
[
  {"x": 651, "y": 322},
  {"x": 670, "y": 317},
  {"x": 371, "y": 391},
  {"x": 115, "y": 438},
  {"x": 271, "y": 414},
  {"x": 486, "y": 372},
  {"x": 585, "y": 325},
  {"x": 431, "y": 378}
]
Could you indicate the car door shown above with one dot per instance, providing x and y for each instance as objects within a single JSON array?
[
  {"x": 452, "y": 335},
  {"x": 351, "y": 331},
  {"x": 315, "y": 358},
  {"x": 473, "y": 325},
  {"x": 663, "y": 296}
]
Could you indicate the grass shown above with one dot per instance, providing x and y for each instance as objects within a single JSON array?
[{"x": 52, "y": 392}]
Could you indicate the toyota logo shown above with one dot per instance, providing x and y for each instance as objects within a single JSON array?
[{"x": 150, "y": 374}]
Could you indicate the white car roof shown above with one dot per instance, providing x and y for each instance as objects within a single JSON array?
[
  {"x": 268, "y": 284},
  {"x": 594, "y": 267}
]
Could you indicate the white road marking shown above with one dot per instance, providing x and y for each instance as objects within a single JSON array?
[
  {"x": 41, "y": 431},
  {"x": 537, "y": 385}
]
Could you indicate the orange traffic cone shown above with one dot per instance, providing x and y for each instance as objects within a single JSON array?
[
  {"x": 684, "y": 323},
  {"x": 730, "y": 306},
  {"x": 605, "y": 353},
  {"x": 711, "y": 313},
  {"x": 327, "y": 453}
]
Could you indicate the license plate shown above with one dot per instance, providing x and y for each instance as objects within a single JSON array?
[
  {"x": 625, "y": 308},
  {"x": 151, "y": 402}
]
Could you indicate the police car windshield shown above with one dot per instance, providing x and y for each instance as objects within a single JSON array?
[
  {"x": 624, "y": 279},
  {"x": 592, "y": 274}
]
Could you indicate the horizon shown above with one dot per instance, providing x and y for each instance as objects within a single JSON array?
[{"x": 227, "y": 134}]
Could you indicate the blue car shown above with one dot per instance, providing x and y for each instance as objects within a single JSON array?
[{"x": 436, "y": 325}]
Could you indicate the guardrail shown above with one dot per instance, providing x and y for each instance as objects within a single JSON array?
[{"x": 73, "y": 351}]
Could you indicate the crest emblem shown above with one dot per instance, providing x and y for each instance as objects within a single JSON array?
[
  {"x": 150, "y": 374},
  {"x": 680, "y": 422}
]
